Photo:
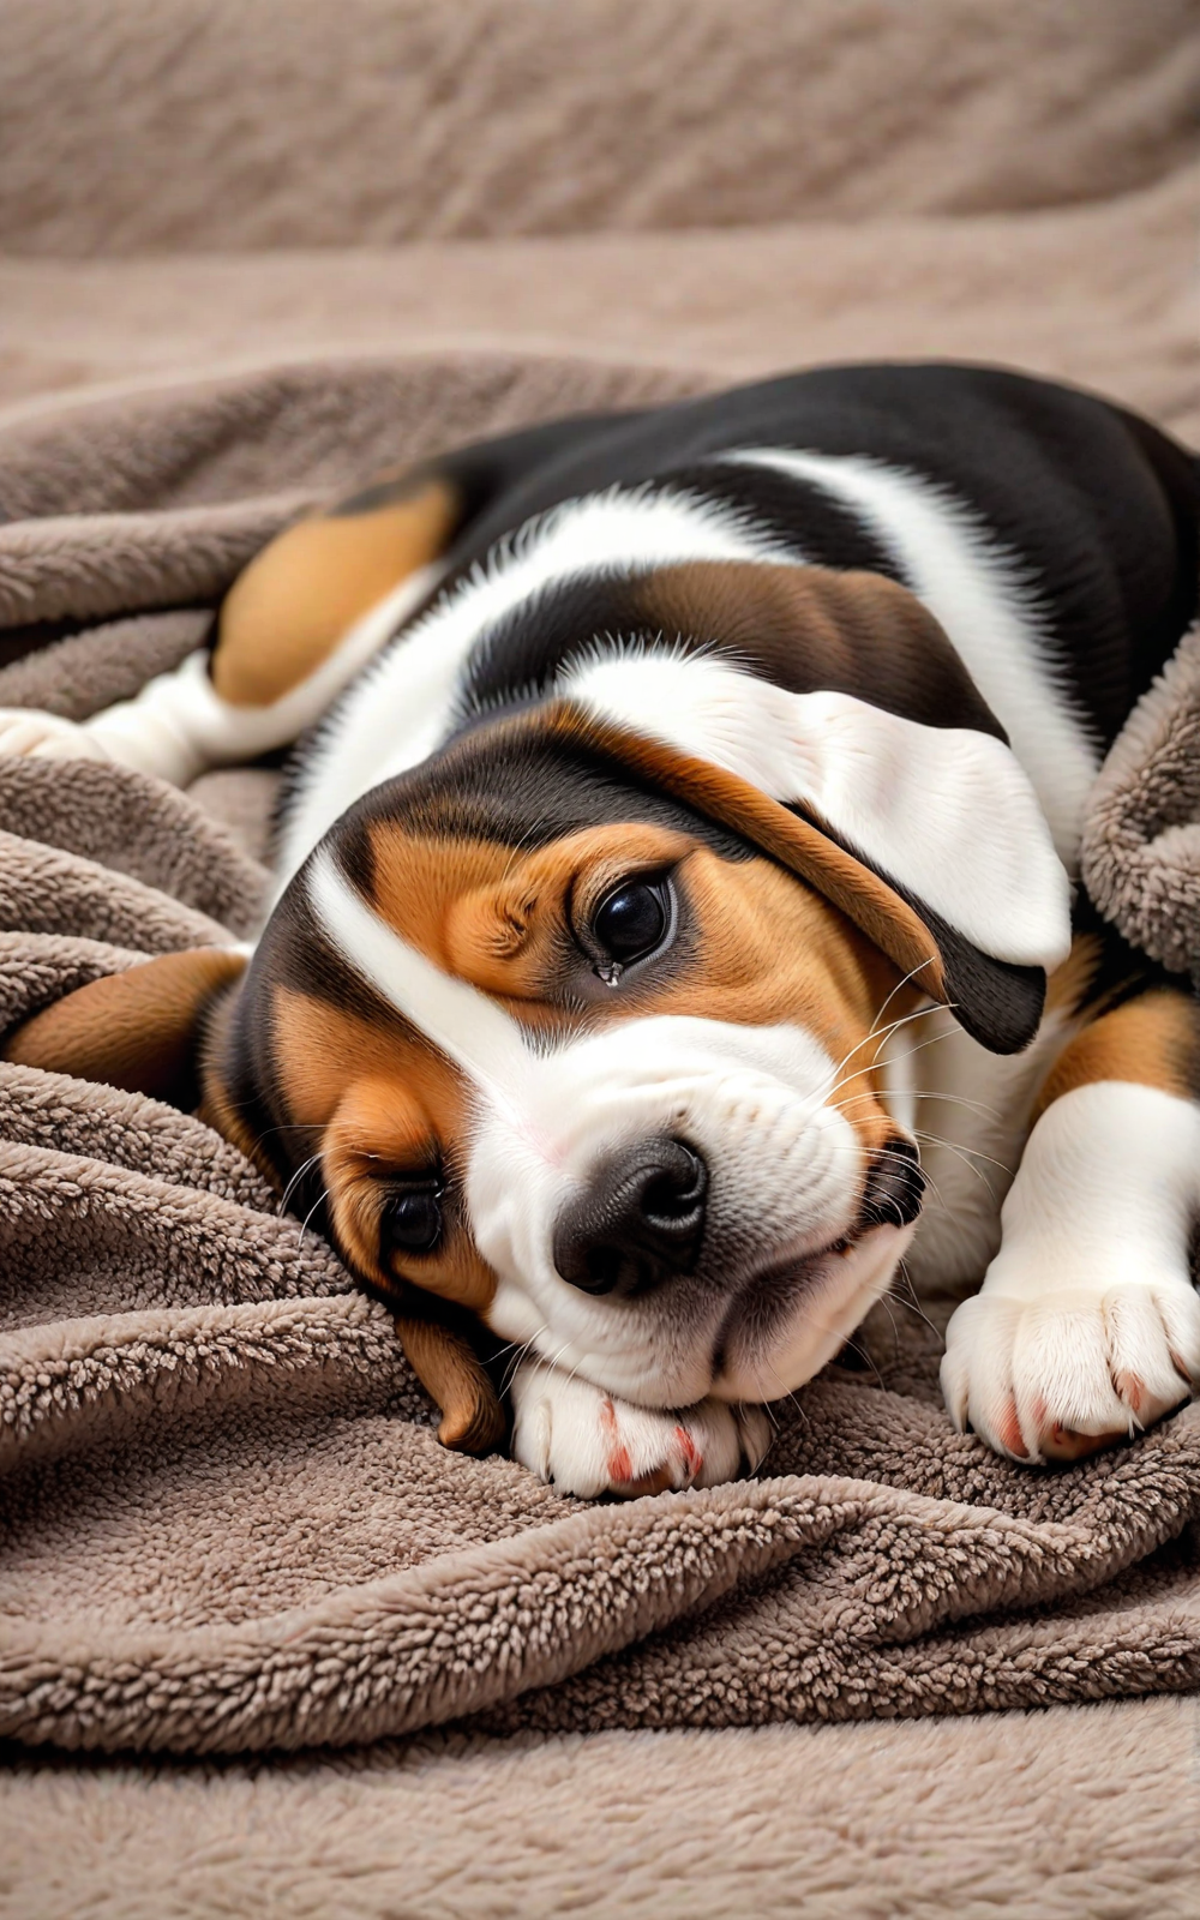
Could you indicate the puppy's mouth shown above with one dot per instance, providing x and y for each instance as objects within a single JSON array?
[
  {"x": 891, "y": 1197},
  {"x": 761, "y": 1317}
]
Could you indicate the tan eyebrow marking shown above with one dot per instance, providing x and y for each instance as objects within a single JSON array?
[
  {"x": 382, "y": 1103},
  {"x": 495, "y": 916}
]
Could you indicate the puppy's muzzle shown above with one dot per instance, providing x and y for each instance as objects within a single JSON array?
[{"x": 639, "y": 1221}]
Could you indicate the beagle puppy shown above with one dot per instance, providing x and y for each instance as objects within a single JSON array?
[{"x": 673, "y": 920}]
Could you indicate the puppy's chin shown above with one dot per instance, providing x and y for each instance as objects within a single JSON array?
[{"x": 786, "y": 1324}]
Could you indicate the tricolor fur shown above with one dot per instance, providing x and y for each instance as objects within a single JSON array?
[{"x": 808, "y": 683}]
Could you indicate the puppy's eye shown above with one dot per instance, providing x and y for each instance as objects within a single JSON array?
[
  {"x": 632, "y": 920},
  {"x": 412, "y": 1221}
]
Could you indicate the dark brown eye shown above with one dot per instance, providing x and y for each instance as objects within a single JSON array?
[
  {"x": 632, "y": 920},
  {"x": 412, "y": 1220}
]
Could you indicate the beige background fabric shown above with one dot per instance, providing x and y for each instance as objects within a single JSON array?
[
  {"x": 1102, "y": 293},
  {"x": 158, "y": 125},
  {"x": 188, "y": 186}
]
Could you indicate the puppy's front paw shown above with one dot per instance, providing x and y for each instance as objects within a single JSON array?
[
  {"x": 34, "y": 735},
  {"x": 1060, "y": 1376},
  {"x": 588, "y": 1443}
]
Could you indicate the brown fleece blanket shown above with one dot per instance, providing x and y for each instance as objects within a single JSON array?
[{"x": 228, "y": 1524}]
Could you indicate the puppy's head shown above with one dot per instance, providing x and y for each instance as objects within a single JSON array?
[
  {"x": 592, "y": 1040},
  {"x": 575, "y": 1057}
]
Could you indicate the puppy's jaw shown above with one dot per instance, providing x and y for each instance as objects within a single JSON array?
[{"x": 820, "y": 1305}]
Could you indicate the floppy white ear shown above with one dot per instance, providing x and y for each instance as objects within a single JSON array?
[{"x": 946, "y": 816}]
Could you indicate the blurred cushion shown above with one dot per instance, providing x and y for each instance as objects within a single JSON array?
[{"x": 184, "y": 124}]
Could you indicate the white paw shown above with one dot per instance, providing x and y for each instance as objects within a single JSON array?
[
  {"x": 588, "y": 1443},
  {"x": 1060, "y": 1376},
  {"x": 44, "y": 736}
]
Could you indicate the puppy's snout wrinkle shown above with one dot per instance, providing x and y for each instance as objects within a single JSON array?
[{"x": 638, "y": 1222}]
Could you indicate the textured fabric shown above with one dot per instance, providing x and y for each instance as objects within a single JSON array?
[
  {"x": 163, "y": 124},
  {"x": 1141, "y": 852},
  {"x": 1013, "y": 183},
  {"x": 1100, "y": 292},
  {"x": 230, "y": 1526},
  {"x": 1068, "y": 1815}
]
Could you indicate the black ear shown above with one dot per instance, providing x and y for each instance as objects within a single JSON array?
[
  {"x": 999, "y": 1004},
  {"x": 141, "y": 1030}
]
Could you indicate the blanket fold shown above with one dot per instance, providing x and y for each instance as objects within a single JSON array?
[{"x": 228, "y": 1525}]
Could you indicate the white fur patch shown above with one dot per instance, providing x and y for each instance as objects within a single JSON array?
[
  {"x": 464, "y": 1024},
  {"x": 971, "y": 1121},
  {"x": 990, "y": 613},
  {"x": 947, "y": 812},
  {"x": 1087, "y": 1320},
  {"x": 785, "y": 1176},
  {"x": 178, "y": 725}
]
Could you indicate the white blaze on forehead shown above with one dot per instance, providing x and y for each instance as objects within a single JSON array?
[{"x": 464, "y": 1024}]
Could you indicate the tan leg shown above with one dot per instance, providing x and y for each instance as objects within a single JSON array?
[
  {"x": 1151, "y": 1041},
  {"x": 292, "y": 607}
]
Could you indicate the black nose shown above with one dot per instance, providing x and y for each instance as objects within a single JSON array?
[{"x": 640, "y": 1220}]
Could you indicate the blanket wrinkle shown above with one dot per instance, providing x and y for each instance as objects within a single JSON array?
[
  {"x": 48, "y": 892},
  {"x": 1141, "y": 849},
  {"x": 50, "y": 1110},
  {"x": 135, "y": 826},
  {"x": 50, "y": 668},
  {"x": 116, "y": 562},
  {"x": 36, "y": 968},
  {"x": 229, "y": 1527}
]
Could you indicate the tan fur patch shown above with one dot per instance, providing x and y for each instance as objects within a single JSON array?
[
  {"x": 502, "y": 919},
  {"x": 286, "y": 613},
  {"x": 136, "y": 1030},
  {"x": 761, "y": 948},
  {"x": 383, "y": 1105},
  {"x": 1153, "y": 1041},
  {"x": 472, "y": 1418}
]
